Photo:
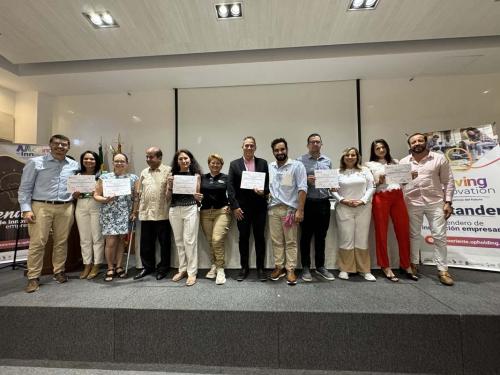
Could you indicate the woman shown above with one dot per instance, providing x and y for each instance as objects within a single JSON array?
[
  {"x": 353, "y": 215},
  {"x": 389, "y": 201},
  {"x": 215, "y": 215},
  {"x": 116, "y": 213},
  {"x": 87, "y": 219},
  {"x": 184, "y": 217}
]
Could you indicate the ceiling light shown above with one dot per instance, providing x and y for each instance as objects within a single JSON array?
[
  {"x": 227, "y": 11},
  {"x": 362, "y": 4},
  {"x": 106, "y": 17},
  {"x": 235, "y": 10},
  {"x": 101, "y": 20},
  {"x": 96, "y": 19},
  {"x": 486, "y": 91}
]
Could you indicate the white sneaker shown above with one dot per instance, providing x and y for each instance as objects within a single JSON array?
[
  {"x": 368, "y": 276},
  {"x": 343, "y": 275},
  {"x": 212, "y": 273},
  {"x": 221, "y": 277}
]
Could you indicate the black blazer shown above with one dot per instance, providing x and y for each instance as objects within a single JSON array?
[{"x": 246, "y": 197}]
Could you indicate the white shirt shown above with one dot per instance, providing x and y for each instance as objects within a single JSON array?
[
  {"x": 355, "y": 184},
  {"x": 378, "y": 169}
]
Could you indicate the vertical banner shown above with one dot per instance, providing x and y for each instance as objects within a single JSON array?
[
  {"x": 12, "y": 160},
  {"x": 474, "y": 227}
]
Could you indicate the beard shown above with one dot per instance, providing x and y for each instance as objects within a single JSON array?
[
  {"x": 417, "y": 149},
  {"x": 281, "y": 157}
]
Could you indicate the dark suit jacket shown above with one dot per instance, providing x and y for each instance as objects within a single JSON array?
[{"x": 246, "y": 197}]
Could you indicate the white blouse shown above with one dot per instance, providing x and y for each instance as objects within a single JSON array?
[
  {"x": 378, "y": 169},
  {"x": 355, "y": 184}
]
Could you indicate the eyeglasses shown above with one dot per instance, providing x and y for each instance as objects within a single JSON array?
[
  {"x": 315, "y": 142},
  {"x": 60, "y": 144}
]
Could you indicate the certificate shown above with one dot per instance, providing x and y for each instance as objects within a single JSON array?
[
  {"x": 84, "y": 183},
  {"x": 253, "y": 180},
  {"x": 397, "y": 173},
  {"x": 326, "y": 178},
  {"x": 185, "y": 184},
  {"x": 116, "y": 186}
]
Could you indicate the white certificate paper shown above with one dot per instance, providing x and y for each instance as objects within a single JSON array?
[
  {"x": 116, "y": 186},
  {"x": 82, "y": 182},
  {"x": 184, "y": 184},
  {"x": 326, "y": 178},
  {"x": 397, "y": 173},
  {"x": 253, "y": 180}
]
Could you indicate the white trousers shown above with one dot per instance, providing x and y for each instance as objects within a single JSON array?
[
  {"x": 437, "y": 223},
  {"x": 91, "y": 239},
  {"x": 185, "y": 222},
  {"x": 353, "y": 224}
]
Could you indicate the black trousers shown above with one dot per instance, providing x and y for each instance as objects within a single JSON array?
[
  {"x": 315, "y": 223},
  {"x": 253, "y": 218},
  {"x": 150, "y": 232}
]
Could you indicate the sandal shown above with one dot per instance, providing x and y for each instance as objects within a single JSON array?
[
  {"x": 120, "y": 272},
  {"x": 109, "y": 275},
  {"x": 409, "y": 275},
  {"x": 390, "y": 276}
]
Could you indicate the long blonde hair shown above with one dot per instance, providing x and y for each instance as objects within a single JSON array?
[{"x": 343, "y": 166}]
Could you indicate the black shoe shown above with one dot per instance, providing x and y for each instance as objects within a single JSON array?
[
  {"x": 242, "y": 275},
  {"x": 161, "y": 275},
  {"x": 261, "y": 274},
  {"x": 144, "y": 272}
]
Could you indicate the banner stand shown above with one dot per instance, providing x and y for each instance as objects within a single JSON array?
[{"x": 15, "y": 264}]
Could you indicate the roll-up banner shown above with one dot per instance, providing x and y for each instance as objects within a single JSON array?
[
  {"x": 13, "y": 157},
  {"x": 474, "y": 227}
]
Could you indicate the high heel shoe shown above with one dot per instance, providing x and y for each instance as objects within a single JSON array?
[{"x": 409, "y": 275}]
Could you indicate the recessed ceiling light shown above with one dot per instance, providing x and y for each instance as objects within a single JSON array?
[
  {"x": 101, "y": 20},
  {"x": 362, "y": 4},
  {"x": 227, "y": 11},
  {"x": 486, "y": 91}
]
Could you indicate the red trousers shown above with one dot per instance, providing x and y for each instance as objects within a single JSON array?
[{"x": 391, "y": 203}]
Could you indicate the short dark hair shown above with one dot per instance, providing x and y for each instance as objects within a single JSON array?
[
  {"x": 374, "y": 157},
  {"x": 194, "y": 167},
  {"x": 279, "y": 140},
  {"x": 414, "y": 134},
  {"x": 59, "y": 136},
  {"x": 313, "y": 135},
  {"x": 250, "y": 137},
  {"x": 98, "y": 161}
]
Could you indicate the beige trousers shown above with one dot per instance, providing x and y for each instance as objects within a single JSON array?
[
  {"x": 59, "y": 219},
  {"x": 215, "y": 224},
  {"x": 89, "y": 228},
  {"x": 185, "y": 222},
  {"x": 284, "y": 239}
]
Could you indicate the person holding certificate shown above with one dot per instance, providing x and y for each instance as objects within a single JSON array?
[
  {"x": 87, "y": 219},
  {"x": 119, "y": 207},
  {"x": 429, "y": 194},
  {"x": 388, "y": 201},
  {"x": 249, "y": 205},
  {"x": 183, "y": 192},
  {"x": 215, "y": 215},
  {"x": 353, "y": 215}
]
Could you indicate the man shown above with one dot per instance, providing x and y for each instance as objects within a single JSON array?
[
  {"x": 249, "y": 207},
  {"x": 153, "y": 214},
  {"x": 288, "y": 188},
  {"x": 316, "y": 212},
  {"x": 47, "y": 205},
  {"x": 430, "y": 194}
]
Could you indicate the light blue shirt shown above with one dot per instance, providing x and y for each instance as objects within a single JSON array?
[
  {"x": 285, "y": 182},
  {"x": 45, "y": 178},
  {"x": 311, "y": 164}
]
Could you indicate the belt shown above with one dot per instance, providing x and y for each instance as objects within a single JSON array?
[{"x": 51, "y": 202}]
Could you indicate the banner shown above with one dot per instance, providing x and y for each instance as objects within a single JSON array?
[
  {"x": 474, "y": 228},
  {"x": 12, "y": 160}
]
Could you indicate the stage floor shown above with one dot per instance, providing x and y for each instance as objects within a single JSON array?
[{"x": 475, "y": 292}]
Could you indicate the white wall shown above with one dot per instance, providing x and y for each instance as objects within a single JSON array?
[
  {"x": 216, "y": 119},
  {"x": 88, "y": 118},
  {"x": 390, "y": 109},
  {"x": 7, "y": 101}
]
